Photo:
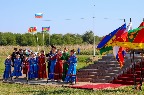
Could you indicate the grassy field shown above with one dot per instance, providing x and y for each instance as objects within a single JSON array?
[
  {"x": 85, "y": 49},
  {"x": 19, "y": 89}
]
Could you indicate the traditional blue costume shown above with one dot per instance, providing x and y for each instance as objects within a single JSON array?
[
  {"x": 17, "y": 67},
  {"x": 33, "y": 68},
  {"x": 52, "y": 66},
  {"x": 71, "y": 74},
  {"x": 7, "y": 72}
]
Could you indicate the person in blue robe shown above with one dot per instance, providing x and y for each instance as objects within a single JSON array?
[
  {"x": 7, "y": 71},
  {"x": 71, "y": 74},
  {"x": 33, "y": 67},
  {"x": 17, "y": 67},
  {"x": 53, "y": 63}
]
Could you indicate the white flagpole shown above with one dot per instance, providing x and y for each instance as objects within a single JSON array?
[
  {"x": 43, "y": 39},
  {"x": 37, "y": 44}
]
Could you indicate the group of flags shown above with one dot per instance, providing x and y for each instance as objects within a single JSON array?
[
  {"x": 34, "y": 29},
  {"x": 121, "y": 39}
]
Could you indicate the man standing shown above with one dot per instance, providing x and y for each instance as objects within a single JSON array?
[
  {"x": 13, "y": 56},
  {"x": 78, "y": 51},
  {"x": 65, "y": 57}
]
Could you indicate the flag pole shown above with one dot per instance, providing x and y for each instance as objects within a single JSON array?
[
  {"x": 37, "y": 43},
  {"x": 49, "y": 38},
  {"x": 94, "y": 31},
  {"x": 43, "y": 39},
  {"x": 133, "y": 65}
]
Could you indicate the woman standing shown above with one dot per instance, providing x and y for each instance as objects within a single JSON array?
[
  {"x": 71, "y": 74},
  {"x": 17, "y": 67},
  {"x": 33, "y": 67},
  {"x": 58, "y": 66},
  {"x": 42, "y": 66},
  {"x": 7, "y": 71},
  {"x": 25, "y": 65},
  {"x": 53, "y": 63}
]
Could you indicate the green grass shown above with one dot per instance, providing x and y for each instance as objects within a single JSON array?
[{"x": 19, "y": 89}]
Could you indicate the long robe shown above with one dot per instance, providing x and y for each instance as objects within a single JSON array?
[
  {"x": 42, "y": 67},
  {"x": 71, "y": 74},
  {"x": 58, "y": 67},
  {"x": 33, "y": 68},
  {"x": 52, "y": 66},
  {"x": 17, "y": 67},
  {"x": 7, "y": 71},
  {"x": 25, "y": 66},
  {"x": 65, "y": 57}
]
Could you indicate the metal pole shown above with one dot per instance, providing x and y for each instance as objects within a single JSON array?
[
  {"x": 94, "y": 31},
  {"x": 49, "y": 38},
  {"x": 43, "y": 39}
]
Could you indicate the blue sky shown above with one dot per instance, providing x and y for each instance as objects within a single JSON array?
[{"x": 18, "y": 15}]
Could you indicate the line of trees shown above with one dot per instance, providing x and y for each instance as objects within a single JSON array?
[{"x": 28, "y": 39}]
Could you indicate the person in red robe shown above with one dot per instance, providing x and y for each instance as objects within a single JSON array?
[
  {"x": 58, "y": 66},
  {"x": 25, "y": 65},
  {"x": 42, "y": 66}
]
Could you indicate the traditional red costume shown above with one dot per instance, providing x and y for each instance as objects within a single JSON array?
[
  {"x": 42, "y": 67},
  {"x": 58, "y": 67},
  {"x": 25, "y": 66}
]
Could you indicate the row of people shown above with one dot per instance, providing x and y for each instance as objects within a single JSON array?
[{"x": 61, "y": 66}]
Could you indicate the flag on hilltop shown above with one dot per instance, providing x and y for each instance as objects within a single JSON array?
[
  {"x": 45, "y": 29},
  {"x": 39, "y": 15}
]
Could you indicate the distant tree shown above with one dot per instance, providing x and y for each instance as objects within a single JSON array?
[
  {"x": 28, "y": 39},
  {"x": 88, "y": 37}
]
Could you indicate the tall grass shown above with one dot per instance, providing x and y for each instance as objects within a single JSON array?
[{"x": 85, "y": 49}]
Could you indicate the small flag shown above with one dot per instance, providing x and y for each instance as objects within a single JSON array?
[
  {"x": 45, "y": 29},
  {"x": 32, "y": 29},
  {"x": 39, "y": 15}
]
